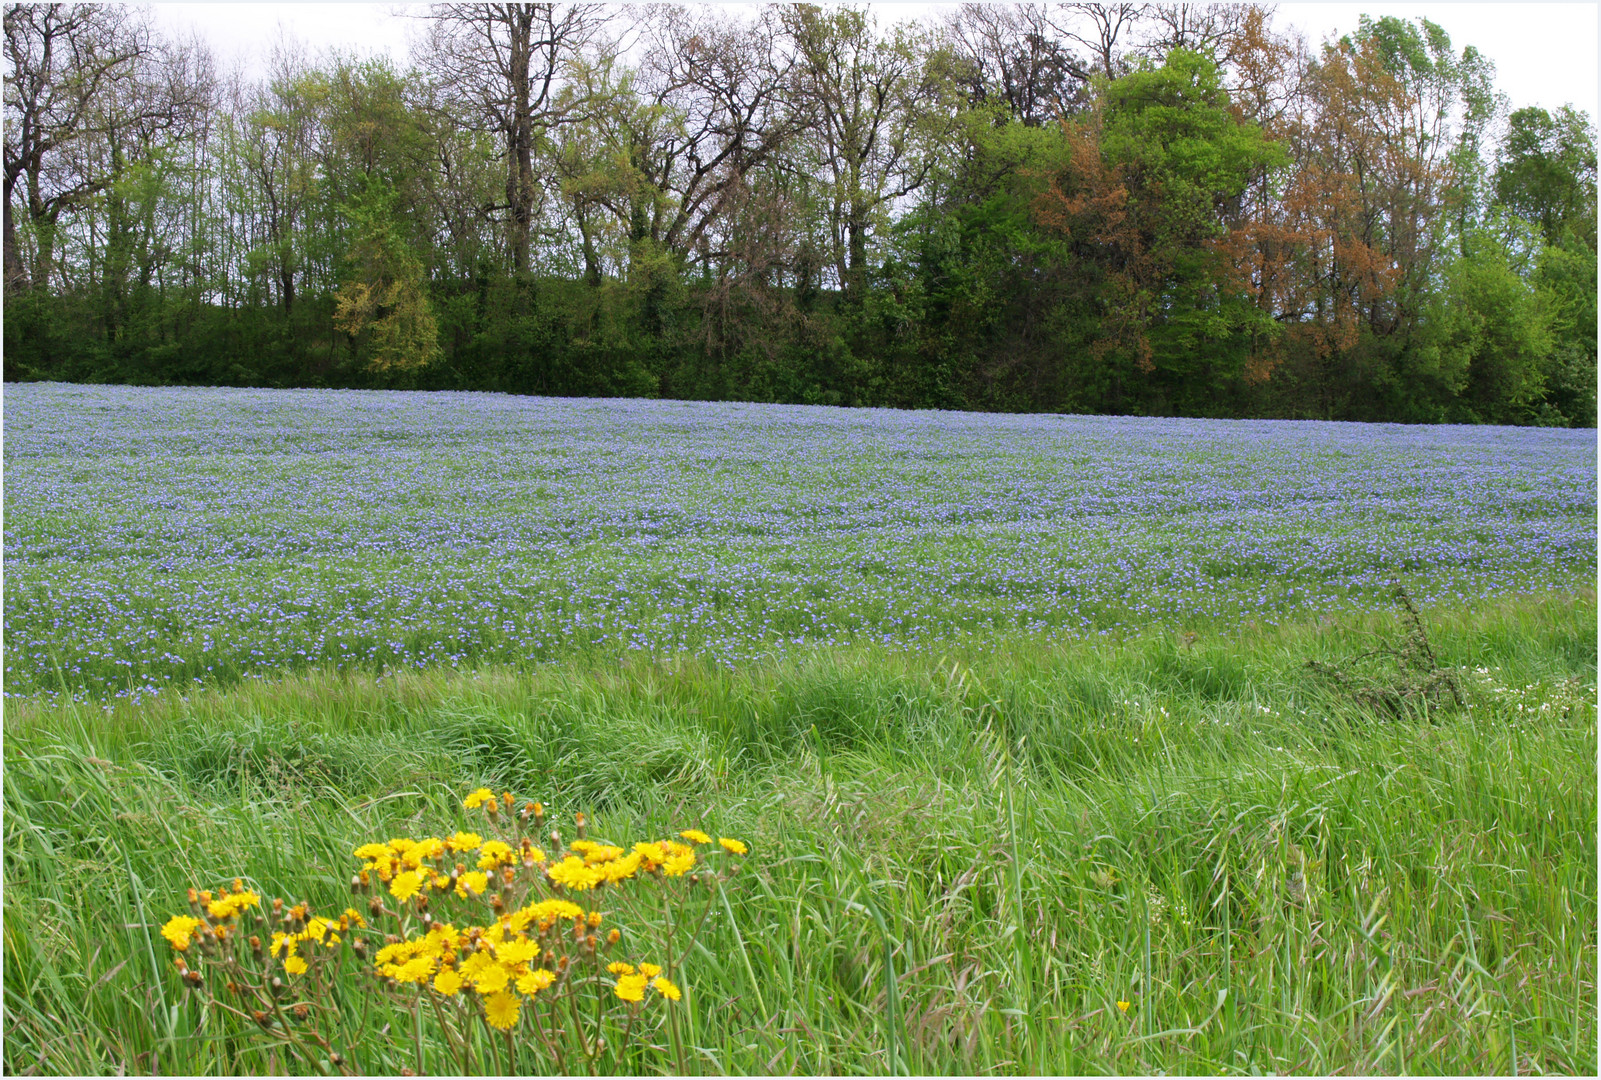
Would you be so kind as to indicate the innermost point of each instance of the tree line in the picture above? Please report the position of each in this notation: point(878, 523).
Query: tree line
point(1104, 208)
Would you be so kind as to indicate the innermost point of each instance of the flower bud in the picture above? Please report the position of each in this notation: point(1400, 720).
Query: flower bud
point(614, 937)
point(583, 824)
point(355, 884)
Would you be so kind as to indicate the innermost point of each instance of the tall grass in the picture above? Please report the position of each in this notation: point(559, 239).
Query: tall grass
point(962, 861)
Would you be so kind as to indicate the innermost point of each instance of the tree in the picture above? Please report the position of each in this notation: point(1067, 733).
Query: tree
point(1546, 172)
point(1150, 195)
point(384, 301)
point(1100, 29)
point(1011, 54)
point(861, 91)
point(66, 65)
point(509, 61)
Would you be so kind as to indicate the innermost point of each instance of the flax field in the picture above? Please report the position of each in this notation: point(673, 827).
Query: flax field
point(1059, 744)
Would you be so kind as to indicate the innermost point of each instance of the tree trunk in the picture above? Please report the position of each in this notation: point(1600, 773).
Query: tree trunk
point(16, 274)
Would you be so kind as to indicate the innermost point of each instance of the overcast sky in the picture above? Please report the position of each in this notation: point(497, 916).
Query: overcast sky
point(1545, 54)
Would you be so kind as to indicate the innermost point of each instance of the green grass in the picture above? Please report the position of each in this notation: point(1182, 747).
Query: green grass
point(1026, 834)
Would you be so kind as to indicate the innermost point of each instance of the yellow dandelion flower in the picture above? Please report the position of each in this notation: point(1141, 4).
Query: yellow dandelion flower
point(401, 845)
point(601, 853)
point(680, 858)
point(415, 970)
point(502, 1009)
point(521, 951)
point(447, 982)
point(621, 869)
point(651, 853)
point(372, 851)
point(594, 919)
point(650, 971)
point(733, 847)
point(355, 917)
point(535, 981)
point(617, 967)
point(464, 841)
point(229, 905)
point(493, 854)
point(572, 873)
point(664, 986)
point(405, 886)
point(295, 966)
point(473, 881)
point(492, 979)
point(179, 929)
point(1123, 1006)
point(583, 847)
point(631, 987)
point(478, 798)
point(695, 836)
point(419, 853)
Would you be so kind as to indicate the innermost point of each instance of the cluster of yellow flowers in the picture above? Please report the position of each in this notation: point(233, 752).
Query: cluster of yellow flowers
point(516, 937)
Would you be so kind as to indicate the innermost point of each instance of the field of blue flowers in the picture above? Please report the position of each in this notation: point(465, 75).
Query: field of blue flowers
point(169, 538)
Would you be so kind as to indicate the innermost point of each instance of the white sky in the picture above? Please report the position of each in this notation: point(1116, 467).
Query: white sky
point(1545, 53)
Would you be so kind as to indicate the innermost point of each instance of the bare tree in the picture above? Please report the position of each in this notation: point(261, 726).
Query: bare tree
point(1099, 28)
point(1216, 31)
point(63, 63)
point(863, 91)
point(726, 83)
point(1012, 53)
point(509, 60)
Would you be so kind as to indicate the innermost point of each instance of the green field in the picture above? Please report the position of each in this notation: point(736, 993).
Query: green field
point(978, 820)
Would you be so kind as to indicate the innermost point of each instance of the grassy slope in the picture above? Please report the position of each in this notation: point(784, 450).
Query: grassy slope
point(1274, 880)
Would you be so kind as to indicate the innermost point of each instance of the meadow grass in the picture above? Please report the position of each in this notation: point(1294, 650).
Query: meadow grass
point(963, 857)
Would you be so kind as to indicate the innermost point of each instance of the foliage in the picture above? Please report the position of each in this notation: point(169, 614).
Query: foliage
point(383, 303)
point(1098, 208)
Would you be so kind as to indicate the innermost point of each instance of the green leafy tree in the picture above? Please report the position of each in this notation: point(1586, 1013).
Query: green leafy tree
point(1547, 173)
point(383, 305)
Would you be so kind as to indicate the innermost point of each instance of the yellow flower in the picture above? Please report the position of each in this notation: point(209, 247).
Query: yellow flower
point(535, 981)
point(501, 1010)
point(478, 798)
point(355, 917)
point(464, 841)
point(664, 986)
point(405, 886)
point(732, 846)
point(474, 881)
point(492, 979)
point(230, 904)
point(1123, 1005)
point(178, 931)
point(414, 856)
point(617, 967)
point(583, 847)
point(372, 851)
point(650, 971)
point(621, 869)
point(572, 873)
point(517, 952)
point(631, 987)
point(495, 853)
point(447, 982)
point(601, 853)
point(415, 970)
point(295, 966)
point(680, 857)
point(695, 836)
